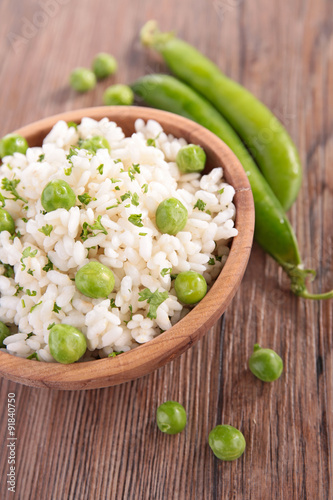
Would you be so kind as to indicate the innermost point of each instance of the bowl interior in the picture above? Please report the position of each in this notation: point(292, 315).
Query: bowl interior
point(168, 345)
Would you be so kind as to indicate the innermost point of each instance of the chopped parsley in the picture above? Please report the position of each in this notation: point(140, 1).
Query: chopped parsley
point(88, 229)
point(18, 289)
point(50, 326)
point(27, 253)
point(117, 161)
point(41, 157)
point(144, 188)
point(112, 303)
point(151, 142)
point(56, 308)
point(24, 219)
point(135, 199)
point(72, 152)
point(112, 206)
point(68, 170)
point(134, 169)
point(114, 354)
point(46, 229)
point(85, 198)
point(9, 270)
point(200, 205)
point(10, 186)
point(166, 270)
point(48, 266)
point(154, 300)
point(23, 303)
point(114, 181)
point(2, 200)
point(17, 234)
point(36, 305)
point(131, 313)
point(126, 195)
point(143, 234)
point(33, 356)
point(31, 271)
point(211, 261)
point(32, 293)
point(221, 191)
point(100, 168)
point(136, 219)
point(72, 124)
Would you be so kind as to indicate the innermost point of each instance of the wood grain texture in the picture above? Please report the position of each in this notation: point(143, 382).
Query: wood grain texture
point(104, 443)
point(171, 344)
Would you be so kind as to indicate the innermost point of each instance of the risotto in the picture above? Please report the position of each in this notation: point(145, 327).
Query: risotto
point(112, 222)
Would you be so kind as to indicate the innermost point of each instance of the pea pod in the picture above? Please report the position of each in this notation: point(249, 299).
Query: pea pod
point(264, 135)
point(273, 230)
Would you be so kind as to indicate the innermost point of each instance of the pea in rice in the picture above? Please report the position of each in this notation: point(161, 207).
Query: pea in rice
point(113, 223)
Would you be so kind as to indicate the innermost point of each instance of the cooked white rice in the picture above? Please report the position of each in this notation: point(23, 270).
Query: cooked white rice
point(136, 255)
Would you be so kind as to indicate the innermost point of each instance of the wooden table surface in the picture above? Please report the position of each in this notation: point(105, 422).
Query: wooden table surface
point(104, 444)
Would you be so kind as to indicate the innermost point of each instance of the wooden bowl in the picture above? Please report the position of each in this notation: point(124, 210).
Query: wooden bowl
point(171, 344)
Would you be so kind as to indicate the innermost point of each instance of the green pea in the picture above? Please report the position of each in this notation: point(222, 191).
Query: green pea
point(171, 417)
point(226, 442)
point(118, 95)
point(12, 143)
point(4, 332)
point(67, 343)
point(94, 280)
point(191, 158)
point(171, 216)
point(265, 364)
point(6, 221)
point(190, 287)
point(58, 194)
point(82, 79)
point(104, 65)
point(95, 143)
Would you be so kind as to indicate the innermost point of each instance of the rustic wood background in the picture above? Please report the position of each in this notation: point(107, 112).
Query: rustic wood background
point(104, 444)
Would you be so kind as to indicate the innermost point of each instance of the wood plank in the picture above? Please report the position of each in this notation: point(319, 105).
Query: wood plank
point(104, 443)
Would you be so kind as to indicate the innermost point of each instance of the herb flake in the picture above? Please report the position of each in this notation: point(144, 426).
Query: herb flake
point(154, 299)
point(136, 219)
point(46, 229)
point(200, 205)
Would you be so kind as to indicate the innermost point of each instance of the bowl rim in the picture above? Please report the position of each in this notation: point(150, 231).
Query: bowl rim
point(170, 344)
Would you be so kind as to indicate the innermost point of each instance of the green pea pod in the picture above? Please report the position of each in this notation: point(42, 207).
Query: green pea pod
point(264, 135)
point(272, 228)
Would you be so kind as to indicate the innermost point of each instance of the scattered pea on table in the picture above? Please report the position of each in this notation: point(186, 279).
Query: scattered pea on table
point(226, 442)
point(82, 79)
point(171, 417)
point(104, 65)
point(57, 194)
point(118, 95)
point(265, 364)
